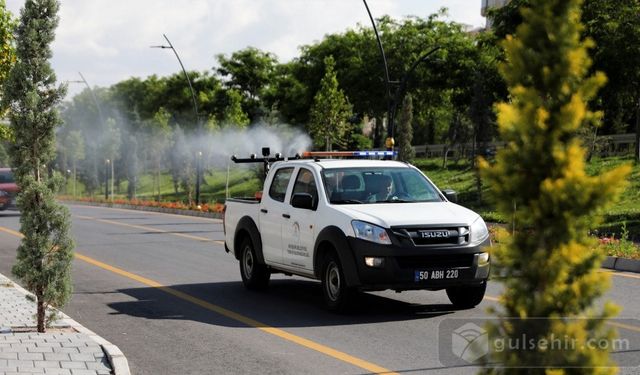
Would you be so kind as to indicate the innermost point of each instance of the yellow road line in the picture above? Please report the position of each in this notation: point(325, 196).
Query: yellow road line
point(150, 212)
point(241, 318)
point(625, 326)
point(344, 357)
point(490, 298)
point(144, 227)
point(12, 232)
point(620, 274)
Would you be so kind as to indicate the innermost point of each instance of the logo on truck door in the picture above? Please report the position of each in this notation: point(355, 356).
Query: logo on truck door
point(296, 248)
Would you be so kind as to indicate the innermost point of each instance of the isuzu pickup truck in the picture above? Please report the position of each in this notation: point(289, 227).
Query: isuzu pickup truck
point(358, 225)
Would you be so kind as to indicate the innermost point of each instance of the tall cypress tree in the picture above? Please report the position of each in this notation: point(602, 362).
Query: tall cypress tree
point(330, 110)
point(550, 270)
point(46, 251)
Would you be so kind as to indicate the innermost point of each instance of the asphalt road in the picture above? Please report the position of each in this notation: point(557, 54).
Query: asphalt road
point(162, 288)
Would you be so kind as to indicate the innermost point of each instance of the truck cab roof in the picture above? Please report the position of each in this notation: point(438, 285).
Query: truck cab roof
point(345, 163)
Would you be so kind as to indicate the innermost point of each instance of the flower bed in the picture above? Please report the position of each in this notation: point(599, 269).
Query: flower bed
point(205, 207)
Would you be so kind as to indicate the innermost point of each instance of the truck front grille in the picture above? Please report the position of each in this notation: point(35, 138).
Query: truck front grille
point(434, 236)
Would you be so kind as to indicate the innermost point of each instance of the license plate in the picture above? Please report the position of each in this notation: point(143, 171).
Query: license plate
point(446, 274)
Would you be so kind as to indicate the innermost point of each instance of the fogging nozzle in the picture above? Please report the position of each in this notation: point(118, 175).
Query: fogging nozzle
point(233, 158)
point(253, 156)
point(278, 155)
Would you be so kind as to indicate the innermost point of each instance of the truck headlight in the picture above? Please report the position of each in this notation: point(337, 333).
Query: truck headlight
point(483, 258)
point(479, 231)
point(370, 232)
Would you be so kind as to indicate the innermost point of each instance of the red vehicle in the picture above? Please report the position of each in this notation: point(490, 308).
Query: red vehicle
point(8, 189)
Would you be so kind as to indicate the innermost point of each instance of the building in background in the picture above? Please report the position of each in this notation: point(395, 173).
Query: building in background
point(488, 4)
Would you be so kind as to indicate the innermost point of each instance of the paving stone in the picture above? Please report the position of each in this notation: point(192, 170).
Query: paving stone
point(100, 367)
point(72, 365)
point(40, 350)
point(30, 370)
point(57, 371)
point(83, 357)
point(46, 364)
point(83, 372)
point(30, 356)
point(49, 345)
point(18, 363)
point(56, 356)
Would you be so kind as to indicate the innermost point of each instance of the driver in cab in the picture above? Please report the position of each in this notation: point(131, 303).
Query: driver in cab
point(382, 185)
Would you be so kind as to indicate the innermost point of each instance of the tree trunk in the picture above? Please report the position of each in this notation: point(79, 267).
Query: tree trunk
point(41, 313)
point(445, 153)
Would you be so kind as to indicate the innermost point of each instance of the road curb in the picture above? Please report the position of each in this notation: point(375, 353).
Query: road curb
point(175, 211)
point(118, 361)
point(622, 264)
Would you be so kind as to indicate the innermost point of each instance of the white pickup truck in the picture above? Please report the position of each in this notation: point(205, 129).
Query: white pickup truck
point(358, 225)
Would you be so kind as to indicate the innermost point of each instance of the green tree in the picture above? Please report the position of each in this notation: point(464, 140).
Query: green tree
point(109, 149)
point(46, 250)
point(330, 111)
point(74, 144)
point(7, 59)
point(7, 49)
point(404, 133)
point(614, 26)
point(130, 155)
point(249, 71)
point(539, 178)
point(159, 133)
point(233, 114)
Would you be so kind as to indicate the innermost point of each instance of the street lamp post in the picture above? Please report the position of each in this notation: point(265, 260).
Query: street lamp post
point(393, 102)
point(195, 112)
point(106, 179)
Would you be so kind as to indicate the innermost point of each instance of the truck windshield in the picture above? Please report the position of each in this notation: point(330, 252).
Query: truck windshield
point(378, 185)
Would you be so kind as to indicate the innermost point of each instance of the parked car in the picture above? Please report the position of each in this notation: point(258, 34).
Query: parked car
point(8, 189)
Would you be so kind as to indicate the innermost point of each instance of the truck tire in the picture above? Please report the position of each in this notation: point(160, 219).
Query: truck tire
point(255, 276)
point(466, 296)
point(337, 295)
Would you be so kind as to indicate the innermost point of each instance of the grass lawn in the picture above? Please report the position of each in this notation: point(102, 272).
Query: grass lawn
point(624, 213)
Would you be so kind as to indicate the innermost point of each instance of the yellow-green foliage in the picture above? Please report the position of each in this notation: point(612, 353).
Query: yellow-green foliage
point(540, 181)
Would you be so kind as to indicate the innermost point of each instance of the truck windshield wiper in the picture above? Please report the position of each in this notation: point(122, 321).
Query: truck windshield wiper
point(346, 201)
point(398, 200)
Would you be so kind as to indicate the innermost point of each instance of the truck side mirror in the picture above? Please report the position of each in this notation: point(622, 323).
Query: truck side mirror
point(451, 195)
point(303, 200)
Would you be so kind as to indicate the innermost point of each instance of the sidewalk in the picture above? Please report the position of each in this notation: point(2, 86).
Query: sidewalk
point(66, 348)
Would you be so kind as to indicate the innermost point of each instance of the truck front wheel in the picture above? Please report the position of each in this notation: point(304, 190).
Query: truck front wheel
point(466, 296)
point(255, 276)
point(337, 295)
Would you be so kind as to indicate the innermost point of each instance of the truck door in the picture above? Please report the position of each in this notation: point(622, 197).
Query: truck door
point(272, 209)
point(298, 231)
